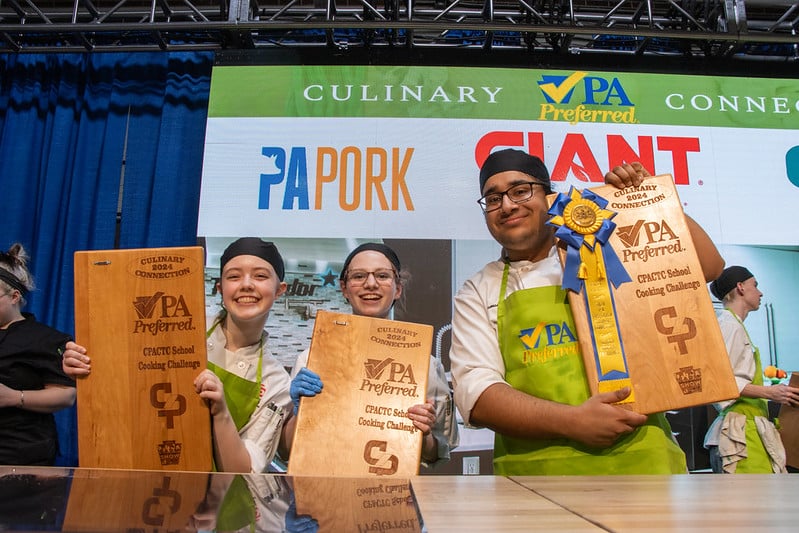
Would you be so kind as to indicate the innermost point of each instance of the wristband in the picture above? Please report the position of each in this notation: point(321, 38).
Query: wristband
point(22, 398)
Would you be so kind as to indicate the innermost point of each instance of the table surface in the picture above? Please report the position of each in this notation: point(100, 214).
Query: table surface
point(118, 500)
point(694, 502)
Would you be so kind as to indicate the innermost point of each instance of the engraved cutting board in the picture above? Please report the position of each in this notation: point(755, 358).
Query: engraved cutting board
point(675, 354)
point(789, 427)
point(373, 370)
point(140, 313)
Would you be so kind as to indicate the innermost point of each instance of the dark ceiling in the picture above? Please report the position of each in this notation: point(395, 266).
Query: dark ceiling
point(669, 33)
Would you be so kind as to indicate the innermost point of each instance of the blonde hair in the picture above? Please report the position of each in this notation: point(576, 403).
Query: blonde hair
point(15, 263)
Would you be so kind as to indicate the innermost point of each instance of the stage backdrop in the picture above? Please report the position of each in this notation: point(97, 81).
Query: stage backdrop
point(369, 151)
point(323, 157)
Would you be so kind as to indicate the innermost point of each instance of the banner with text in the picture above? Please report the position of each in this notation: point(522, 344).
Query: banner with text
point(394, 152)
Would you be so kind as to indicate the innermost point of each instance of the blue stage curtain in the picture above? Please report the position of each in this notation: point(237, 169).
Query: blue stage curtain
point(70, 126)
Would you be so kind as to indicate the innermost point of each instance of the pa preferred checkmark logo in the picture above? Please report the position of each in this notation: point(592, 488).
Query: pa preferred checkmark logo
point(629, 235)
point(556, 89)
point(374, 367)
point(145, 305)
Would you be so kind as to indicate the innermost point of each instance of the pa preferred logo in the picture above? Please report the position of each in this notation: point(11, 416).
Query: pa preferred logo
point(389, 376)
point(397, 371)
point(654, 232)
point(161, 313)
point(170, 306)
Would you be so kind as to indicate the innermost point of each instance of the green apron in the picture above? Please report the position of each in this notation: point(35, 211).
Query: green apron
point(538, 341)
point(757, 458)
point(241, 396)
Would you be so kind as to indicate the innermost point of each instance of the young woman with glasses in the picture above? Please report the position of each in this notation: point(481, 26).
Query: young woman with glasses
point(372, 281)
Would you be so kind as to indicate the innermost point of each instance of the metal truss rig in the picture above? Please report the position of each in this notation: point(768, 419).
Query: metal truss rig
point(765, 29)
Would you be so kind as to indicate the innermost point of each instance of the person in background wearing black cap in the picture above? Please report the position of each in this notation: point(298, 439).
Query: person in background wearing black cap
point(32, 385)
point(372, 280)
point(247, 389)
point(742, 439)
point(536, 401)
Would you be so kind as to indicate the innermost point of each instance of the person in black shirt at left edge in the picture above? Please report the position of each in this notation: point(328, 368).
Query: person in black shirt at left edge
point(32, 384)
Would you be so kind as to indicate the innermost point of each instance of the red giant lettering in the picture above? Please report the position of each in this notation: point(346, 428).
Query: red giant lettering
point(577, 157)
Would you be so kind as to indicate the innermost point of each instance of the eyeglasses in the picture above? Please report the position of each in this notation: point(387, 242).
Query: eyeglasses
point(521, 192)
point(384, 276)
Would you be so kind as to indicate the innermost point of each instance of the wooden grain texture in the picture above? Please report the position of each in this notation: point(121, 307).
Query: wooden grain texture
point(789, 427)
point(116, 500)
point(128, 501)
point(691, 502)
point(357, 504)
point(674, 350)
point(490, 503)
point(373, 370)
point(141, 315)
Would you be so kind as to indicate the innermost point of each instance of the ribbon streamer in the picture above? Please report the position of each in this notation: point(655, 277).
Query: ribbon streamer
point(585, 226)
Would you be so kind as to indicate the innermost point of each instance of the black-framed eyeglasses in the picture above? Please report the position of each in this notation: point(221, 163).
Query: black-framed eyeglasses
point(521, 192)
point(383, 276)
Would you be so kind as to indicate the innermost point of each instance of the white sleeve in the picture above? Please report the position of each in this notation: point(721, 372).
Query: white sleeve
point(445, 429)
point(301, 362)
point(475, 357)
point(741, 352)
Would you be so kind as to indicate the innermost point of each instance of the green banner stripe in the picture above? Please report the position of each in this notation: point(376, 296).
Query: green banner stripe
point(503, 93)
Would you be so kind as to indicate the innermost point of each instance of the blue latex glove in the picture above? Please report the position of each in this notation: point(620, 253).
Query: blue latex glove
point(299, 523)
point(305, 383)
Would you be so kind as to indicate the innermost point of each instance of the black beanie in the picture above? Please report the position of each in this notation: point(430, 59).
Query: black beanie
point(728, 280)
point(511, 159)
point(254, 246)
point(390, 254)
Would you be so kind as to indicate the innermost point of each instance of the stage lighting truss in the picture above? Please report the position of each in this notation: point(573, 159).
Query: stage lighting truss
point(689, 28)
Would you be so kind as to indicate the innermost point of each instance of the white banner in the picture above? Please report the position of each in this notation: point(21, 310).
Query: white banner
point(417, 178)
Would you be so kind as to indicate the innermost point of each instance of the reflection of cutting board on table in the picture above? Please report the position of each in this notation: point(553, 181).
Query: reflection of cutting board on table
point(657, 332)
point(141, 316)
point(358, 504)
point(116, 500)
point(372, 370)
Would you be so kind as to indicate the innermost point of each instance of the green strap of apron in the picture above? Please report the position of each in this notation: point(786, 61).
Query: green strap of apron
point(241, 395)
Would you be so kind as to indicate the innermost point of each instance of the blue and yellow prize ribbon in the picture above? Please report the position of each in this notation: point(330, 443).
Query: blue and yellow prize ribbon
point(584, 225)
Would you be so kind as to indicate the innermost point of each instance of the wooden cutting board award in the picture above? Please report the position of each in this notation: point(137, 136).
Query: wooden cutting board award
point(641, 307)
point(140, 314)
point(373, 370)
point(789, 427)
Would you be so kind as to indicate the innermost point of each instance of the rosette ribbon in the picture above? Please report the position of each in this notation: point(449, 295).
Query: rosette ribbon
point(584, 225)
point(591, 266)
